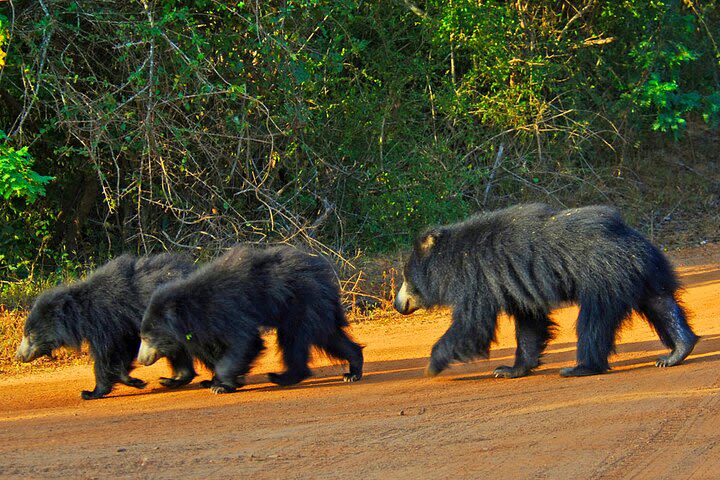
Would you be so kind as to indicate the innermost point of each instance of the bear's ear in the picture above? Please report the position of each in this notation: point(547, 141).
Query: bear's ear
point(168, 312)
point(64, 306)
point(428, 240)
point(172, 317)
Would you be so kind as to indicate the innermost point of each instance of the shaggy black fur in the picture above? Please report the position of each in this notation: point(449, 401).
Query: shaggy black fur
point(106, 309)
point(526, 260)
point(216, 314)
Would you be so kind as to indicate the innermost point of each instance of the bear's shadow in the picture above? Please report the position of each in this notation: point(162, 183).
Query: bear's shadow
point(707, 350)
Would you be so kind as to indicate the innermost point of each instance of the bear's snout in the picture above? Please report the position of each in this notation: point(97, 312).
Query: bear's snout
point(26, 352)
point(147, 355)
point(405, 301)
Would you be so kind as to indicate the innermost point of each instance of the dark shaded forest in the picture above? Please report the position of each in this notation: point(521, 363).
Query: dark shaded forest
point(345, 125)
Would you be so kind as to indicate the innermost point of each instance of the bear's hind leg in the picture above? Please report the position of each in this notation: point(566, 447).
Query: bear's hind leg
point(532, 333)
point(121, 357)
point(340, 346)
point(296, 352)
point(183, 370)
point(597, 325)
point(668, 319)
point(125, 366)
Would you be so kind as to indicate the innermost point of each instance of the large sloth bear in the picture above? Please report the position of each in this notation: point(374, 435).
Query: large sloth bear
point(216, 314)
point(106, 309)
point(526, 260)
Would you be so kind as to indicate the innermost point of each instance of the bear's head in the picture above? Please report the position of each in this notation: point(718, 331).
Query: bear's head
point(416, 290)
point(52, 323)
point(158, 332)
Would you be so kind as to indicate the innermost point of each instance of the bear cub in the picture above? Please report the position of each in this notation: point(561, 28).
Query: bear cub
point(106, 309)
point(217, 313)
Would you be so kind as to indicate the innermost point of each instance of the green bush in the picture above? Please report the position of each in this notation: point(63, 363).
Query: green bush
point(17, 179)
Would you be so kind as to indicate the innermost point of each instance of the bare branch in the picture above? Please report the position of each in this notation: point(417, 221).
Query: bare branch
point(498, 161)
point(416, 10)
point(47, 34)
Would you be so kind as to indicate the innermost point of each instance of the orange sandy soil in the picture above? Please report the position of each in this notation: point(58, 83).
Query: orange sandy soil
point(638, 421)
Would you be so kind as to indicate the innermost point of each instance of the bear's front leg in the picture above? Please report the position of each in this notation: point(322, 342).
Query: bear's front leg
point(439, 359)
point(217, 386)
point(235, 363)
point(104, 381)
point(209, 383)
point(468, 337)
point(132, 381)
point(99, 392)
point(183, 370)
point(224, 384)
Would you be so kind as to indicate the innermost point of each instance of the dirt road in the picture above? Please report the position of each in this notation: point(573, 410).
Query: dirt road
point(638, 421)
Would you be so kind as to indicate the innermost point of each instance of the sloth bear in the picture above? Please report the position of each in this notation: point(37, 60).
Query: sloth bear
point(216, 314)
point(106, 309)
point(526, 260)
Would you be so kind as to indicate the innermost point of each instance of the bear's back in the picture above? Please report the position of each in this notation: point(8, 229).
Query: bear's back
point(540, 224)
point(108, 285)
point(486, 230)
point(152, 271)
